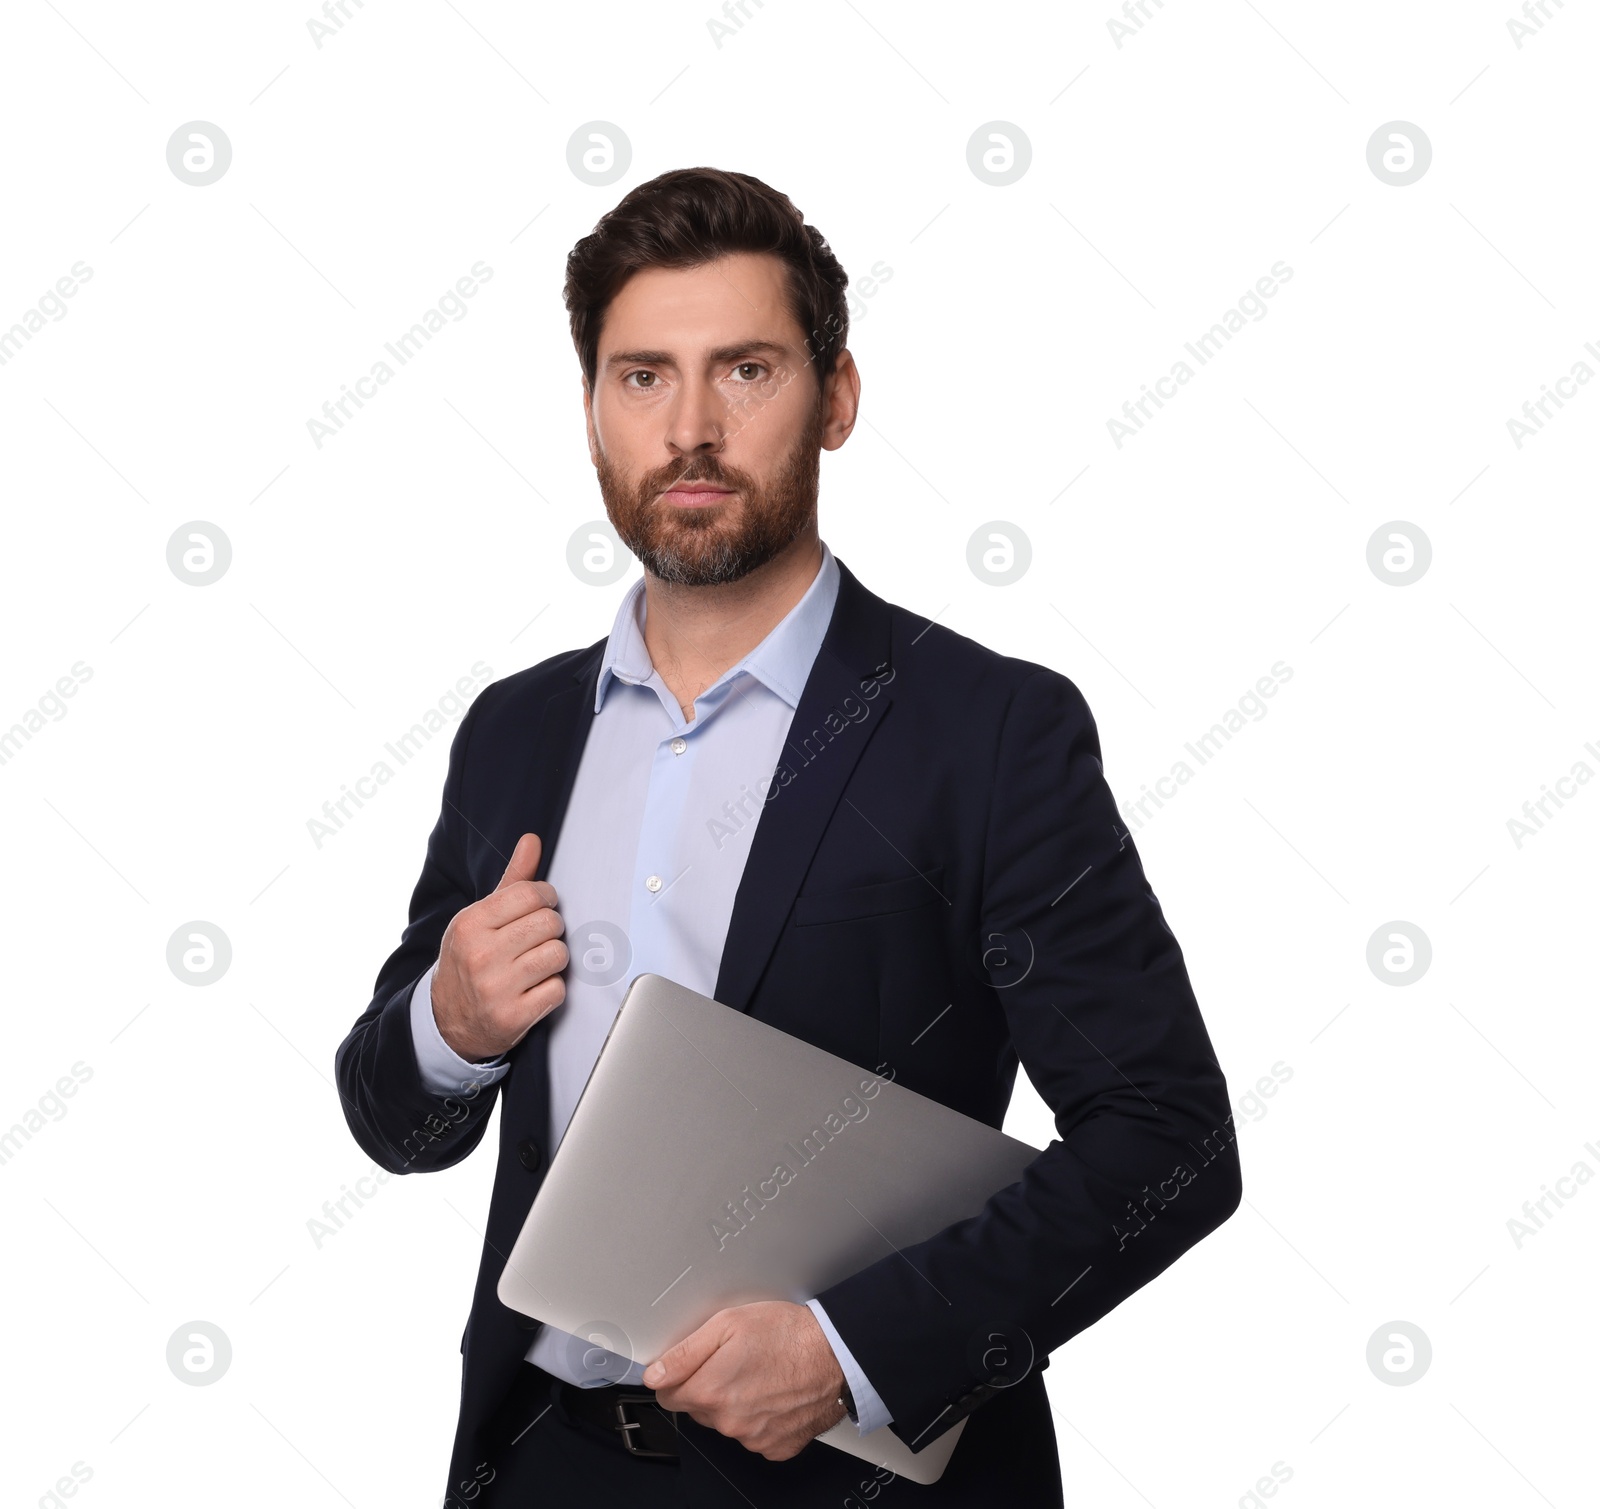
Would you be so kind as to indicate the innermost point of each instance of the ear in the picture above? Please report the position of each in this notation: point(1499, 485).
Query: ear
point(841, 399)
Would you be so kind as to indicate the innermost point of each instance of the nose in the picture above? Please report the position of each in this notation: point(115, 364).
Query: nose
point(697, 424)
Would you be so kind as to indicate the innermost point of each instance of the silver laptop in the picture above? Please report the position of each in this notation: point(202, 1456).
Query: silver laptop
point(714, 1161)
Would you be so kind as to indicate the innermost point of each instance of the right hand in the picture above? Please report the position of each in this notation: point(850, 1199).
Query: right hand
point(500, 962)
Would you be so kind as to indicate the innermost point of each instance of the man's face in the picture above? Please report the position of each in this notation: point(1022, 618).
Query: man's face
point(706, 423)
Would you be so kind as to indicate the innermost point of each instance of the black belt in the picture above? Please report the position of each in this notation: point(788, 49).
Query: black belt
point(631, 1416)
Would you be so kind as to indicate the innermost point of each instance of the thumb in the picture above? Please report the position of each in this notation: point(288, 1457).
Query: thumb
point(523, 862)
point(680, 1362)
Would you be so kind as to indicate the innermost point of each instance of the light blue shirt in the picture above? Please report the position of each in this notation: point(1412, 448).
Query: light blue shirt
point(646, 868)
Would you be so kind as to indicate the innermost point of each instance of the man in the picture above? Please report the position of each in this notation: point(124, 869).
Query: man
point(774, 787)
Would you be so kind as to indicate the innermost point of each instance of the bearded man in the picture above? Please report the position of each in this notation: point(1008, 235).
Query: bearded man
point(772, 786)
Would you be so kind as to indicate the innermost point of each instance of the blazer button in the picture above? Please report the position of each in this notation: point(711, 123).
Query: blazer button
point(530, 1155)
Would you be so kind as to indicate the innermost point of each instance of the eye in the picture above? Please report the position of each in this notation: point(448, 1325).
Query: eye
point(757, 366)
point(643, 387)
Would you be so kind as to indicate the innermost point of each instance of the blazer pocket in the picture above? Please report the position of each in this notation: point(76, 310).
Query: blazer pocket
point(870, 900)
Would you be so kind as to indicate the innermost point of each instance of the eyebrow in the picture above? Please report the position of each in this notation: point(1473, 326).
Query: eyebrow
point(718, 356)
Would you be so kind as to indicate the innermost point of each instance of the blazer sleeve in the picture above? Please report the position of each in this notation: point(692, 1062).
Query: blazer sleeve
point(397, 1120)
point(1102, 1017)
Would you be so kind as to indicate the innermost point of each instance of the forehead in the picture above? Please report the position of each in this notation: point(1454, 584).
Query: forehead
point(687, 309)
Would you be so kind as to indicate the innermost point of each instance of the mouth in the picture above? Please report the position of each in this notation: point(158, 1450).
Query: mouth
point(696, 495)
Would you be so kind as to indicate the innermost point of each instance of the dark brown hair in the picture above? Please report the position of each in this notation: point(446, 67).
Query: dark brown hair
point(691, 216)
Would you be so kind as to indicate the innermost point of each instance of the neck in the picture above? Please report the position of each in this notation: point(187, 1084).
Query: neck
point(694, 634)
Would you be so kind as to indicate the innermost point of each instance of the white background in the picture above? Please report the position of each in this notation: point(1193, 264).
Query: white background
point(1168, 574)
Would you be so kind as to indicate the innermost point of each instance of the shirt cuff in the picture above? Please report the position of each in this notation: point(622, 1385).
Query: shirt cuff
point(871, 1412)
point(443, 1070)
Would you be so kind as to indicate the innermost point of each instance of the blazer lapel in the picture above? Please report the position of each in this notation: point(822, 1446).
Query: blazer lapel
point(827, 736)
point(568, 717)
point(541, 807)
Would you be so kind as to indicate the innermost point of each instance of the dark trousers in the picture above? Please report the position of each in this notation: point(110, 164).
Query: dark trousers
point(542, 1458)
point(540, 1455)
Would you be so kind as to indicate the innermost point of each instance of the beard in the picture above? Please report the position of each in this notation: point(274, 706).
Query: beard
point(720, 542)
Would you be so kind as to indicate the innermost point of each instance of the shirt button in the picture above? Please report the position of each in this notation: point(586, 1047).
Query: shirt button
point(679, 745)
point(652, 883)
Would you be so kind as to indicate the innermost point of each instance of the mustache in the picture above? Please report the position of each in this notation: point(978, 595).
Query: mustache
point(704, 470)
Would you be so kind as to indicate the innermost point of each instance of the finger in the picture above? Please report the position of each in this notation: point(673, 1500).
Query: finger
point(519, 934)
point(514, 899)
point(523, 862)
point(536, 1004)
point(543, 962)
point(686, 1358)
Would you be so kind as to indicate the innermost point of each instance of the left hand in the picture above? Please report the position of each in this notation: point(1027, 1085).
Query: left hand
point(763, 1374)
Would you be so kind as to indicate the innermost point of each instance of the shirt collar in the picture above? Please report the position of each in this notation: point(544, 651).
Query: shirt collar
point(781, 662)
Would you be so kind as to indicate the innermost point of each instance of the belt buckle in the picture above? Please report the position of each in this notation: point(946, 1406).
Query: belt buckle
point(625, 1426)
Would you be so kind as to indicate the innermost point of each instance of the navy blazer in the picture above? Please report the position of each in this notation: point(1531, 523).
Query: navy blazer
point(938, 887)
